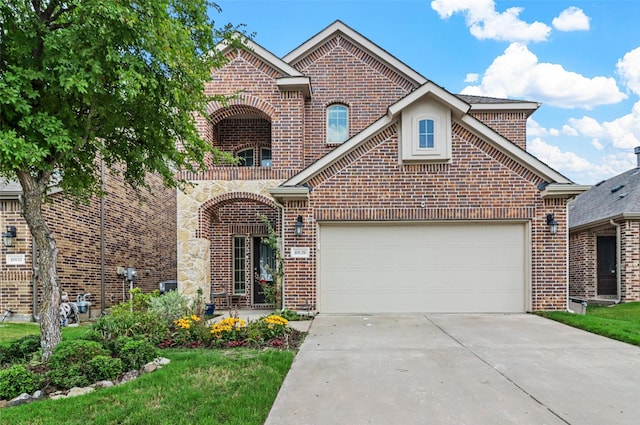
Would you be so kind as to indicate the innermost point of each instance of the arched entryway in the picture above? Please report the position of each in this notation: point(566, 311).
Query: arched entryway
point(233, 224)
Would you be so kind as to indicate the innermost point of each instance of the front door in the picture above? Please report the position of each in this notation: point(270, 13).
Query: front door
point(264, 264)
point(607, 265)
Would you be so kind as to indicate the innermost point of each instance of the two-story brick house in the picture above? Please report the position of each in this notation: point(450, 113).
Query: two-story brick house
point(407, 198)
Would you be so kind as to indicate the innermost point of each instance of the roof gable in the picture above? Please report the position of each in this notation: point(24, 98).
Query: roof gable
point(338, 27)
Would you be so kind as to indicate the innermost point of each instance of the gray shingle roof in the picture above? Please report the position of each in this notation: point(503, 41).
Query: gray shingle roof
point(487, 100)
point(11, 186)
point(608, 199)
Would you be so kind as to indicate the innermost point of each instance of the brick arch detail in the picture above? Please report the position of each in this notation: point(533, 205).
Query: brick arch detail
point(240, 105)
point(209, 209)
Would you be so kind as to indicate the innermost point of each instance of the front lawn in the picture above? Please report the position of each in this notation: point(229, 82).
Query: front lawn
point(199, 386)
point(621, 322)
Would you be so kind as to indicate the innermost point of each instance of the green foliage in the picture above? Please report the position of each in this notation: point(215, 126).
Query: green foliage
point(138, 302)
point(121, 82)
point(104, 368)
point(20, 350)
point(292, 315)
point(73, 375)
point(199, 387)
point(75, 351)
point(137, 323)
point(170, 306)
point(273, 291)
point(17, 380)
point(136, 353)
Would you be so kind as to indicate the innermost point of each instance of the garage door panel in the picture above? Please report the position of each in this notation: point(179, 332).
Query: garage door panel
point(422, 268)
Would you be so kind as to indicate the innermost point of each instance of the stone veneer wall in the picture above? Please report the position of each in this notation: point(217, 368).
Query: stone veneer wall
point(194, 251)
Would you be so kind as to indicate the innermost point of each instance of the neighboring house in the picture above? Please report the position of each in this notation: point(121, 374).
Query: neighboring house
point(604, 240)
point(409, 198)
point(91, 249)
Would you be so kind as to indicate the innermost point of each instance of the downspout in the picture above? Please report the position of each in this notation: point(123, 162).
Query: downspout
point(567, 254)
point(618, 254)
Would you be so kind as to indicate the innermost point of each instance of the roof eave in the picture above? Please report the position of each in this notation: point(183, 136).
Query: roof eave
point(290, 193)
point(555, 190)
point(605, 222)
point(264, 54)
point(302, 84)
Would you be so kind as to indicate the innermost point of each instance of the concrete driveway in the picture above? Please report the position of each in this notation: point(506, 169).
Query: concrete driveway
point(458, 369)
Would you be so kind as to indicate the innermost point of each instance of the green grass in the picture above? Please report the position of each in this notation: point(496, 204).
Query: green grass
point(199, 386)
point(621, 322)
point(12, 330)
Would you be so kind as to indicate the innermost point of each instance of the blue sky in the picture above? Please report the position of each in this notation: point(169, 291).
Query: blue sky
point(579, 59)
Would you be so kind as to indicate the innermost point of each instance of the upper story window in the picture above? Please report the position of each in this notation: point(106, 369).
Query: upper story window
point(337, 123)
point(246, 158)
point(426, 132)
point(265, 157)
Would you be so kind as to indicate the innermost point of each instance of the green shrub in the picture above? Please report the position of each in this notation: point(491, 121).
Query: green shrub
point(170, 306)
point(104, 368)
point(17, 380)
point(137, 353)
point(143, 324)
point(139, 302)
point(75, 351)
point(20, 350)
point(74, 375)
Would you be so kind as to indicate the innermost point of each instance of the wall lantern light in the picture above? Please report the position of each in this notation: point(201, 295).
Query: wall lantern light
point(552, 223)
point(9, 236)
point(298, 226)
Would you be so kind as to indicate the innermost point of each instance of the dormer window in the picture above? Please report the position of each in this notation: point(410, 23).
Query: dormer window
point(426, 132)
point(337, 123)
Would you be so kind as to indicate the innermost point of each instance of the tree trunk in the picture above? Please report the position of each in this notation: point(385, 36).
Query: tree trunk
point(33, 195)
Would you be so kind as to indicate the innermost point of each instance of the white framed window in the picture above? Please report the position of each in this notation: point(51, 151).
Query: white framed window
point(426, 132)
point(265, 157)
point(239, 265)
point(246, 157)
point(337, 123)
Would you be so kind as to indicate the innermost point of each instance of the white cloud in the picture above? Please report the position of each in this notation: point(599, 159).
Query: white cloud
point(578, 168)
point(517, 73)
point(553, 156)
point(623, 132)
point(596, 144)
point(472, 78)
point(535, 129)
point(569, 131)
point(629, 70)
point(571, 19)
point(485, 22)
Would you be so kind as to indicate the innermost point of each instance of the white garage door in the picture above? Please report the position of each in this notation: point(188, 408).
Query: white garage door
point(436, 267)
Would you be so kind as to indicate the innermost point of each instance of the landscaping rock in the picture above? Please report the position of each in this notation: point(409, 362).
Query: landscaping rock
point(162, 361)
point(21, 399)
point(76, 391)
point(3, 403)
point(129, 376)
point(57, 395)
point(150, 367)
point(37, 395)
point(103, 384)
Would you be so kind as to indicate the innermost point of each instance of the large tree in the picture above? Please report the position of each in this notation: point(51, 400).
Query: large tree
point(84, 81)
